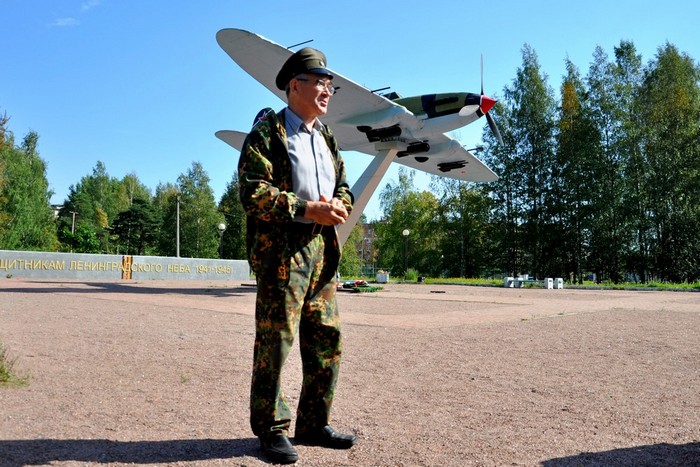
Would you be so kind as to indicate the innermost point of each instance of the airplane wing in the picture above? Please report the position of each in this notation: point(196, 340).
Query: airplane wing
point(448, 158)
point(233, 138)
point(352, 108)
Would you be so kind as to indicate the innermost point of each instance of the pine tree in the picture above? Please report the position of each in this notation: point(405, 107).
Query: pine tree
point(136, 229)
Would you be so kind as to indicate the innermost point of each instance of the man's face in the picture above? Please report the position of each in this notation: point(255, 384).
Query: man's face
point(311, 95)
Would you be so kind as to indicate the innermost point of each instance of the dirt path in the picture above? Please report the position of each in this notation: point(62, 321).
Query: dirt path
point(157, 373)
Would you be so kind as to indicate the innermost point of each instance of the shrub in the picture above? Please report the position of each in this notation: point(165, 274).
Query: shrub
point(411, 275)
point(7, 373)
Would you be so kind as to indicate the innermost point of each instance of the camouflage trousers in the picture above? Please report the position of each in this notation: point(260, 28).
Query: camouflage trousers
point(305, 306)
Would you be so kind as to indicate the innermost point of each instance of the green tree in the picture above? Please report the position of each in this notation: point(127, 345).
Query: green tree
point(26, 217)
point(351, 262)
point(504, 220)
point(669, 103)
point(612, 86)
point(134, 189)
point(7, 140)
point(83, 240)
point(568, 212)
point(198, 216)
point(464, 221)
point(234, 235)
point(136, 229)
point(166, 205)
point(416, 212)
point(524, 166)
point(96, 200)
point(6, 144)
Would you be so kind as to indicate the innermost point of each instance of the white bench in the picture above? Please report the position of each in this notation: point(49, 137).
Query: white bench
point(548, 283)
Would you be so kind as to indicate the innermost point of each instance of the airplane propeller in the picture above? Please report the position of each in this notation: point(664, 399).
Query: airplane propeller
point(494, 128)
point(486, 104)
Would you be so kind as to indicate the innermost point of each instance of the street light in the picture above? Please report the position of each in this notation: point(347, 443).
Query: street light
point(72, 231)
point(177, 227)
point(72, 225)
point(221, 228)
point(405, 233)
point(365, 256)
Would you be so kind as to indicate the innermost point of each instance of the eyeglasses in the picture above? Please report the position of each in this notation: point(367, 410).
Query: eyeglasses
point(322, 83)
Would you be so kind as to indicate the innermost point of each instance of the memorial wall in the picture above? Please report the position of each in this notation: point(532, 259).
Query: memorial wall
point(35, 264)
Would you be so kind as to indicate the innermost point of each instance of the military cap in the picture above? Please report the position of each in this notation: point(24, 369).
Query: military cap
point(307, 60)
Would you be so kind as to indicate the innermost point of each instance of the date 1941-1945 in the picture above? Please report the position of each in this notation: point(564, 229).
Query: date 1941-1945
point(208, 269)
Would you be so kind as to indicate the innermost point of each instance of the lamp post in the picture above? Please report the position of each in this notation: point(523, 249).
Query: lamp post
point(365, 256)
point(177, 228)
point(221, 228)
point(72, 230)
point(72, 225)
point(405, 233)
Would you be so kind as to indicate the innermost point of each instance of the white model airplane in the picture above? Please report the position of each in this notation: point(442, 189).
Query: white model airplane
point(410, 131)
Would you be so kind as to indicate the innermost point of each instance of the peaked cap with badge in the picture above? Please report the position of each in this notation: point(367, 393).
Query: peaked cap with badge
point(306, 60)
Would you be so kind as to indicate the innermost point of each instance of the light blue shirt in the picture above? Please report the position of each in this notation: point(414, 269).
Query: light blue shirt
point(313, 171)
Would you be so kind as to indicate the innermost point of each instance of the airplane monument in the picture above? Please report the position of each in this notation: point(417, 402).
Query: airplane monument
point(410, 131)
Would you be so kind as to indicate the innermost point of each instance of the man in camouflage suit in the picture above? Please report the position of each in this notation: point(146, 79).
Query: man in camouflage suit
point(294, 192)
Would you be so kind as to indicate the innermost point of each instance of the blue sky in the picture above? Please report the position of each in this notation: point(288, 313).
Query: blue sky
point(142, 85)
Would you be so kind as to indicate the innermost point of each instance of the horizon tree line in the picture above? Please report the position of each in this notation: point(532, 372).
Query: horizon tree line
point(600, 178)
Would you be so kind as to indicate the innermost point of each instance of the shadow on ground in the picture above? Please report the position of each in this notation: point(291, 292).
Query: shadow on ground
point(654, 455)
point(51, 287)
point(16, 453)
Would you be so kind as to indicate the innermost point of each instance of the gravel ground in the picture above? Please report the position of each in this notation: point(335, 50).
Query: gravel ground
point(157, 373)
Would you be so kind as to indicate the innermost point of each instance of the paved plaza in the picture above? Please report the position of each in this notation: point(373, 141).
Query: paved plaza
point(158, 373)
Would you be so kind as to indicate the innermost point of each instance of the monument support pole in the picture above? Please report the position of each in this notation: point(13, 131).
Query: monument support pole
point(365, 186)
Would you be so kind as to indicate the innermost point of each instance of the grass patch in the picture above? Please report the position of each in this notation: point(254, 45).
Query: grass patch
point(685, 286)
point(462, 281)
point(652, 285)
point(8, 376)
point(360, 285)
point(367, 288)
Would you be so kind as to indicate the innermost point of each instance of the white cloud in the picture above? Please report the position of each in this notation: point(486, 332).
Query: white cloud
point(66, 22)
point(70, 21)
point(89, 4)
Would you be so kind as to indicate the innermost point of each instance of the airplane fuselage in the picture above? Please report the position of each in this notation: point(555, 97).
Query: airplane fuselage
point(438, 105)
point(442, 113)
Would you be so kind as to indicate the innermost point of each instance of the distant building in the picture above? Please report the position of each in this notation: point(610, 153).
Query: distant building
point(56, 209)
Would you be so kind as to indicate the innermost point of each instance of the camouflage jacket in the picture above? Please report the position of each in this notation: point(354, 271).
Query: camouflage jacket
point(265, 189)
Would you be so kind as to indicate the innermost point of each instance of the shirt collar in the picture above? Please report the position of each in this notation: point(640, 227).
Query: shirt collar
point(295, 123)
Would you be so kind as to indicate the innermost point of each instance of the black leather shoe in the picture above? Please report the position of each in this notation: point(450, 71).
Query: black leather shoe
point(278, 449)
point(326, 437)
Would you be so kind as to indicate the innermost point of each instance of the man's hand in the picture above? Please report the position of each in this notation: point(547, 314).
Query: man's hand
point(326, 212)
